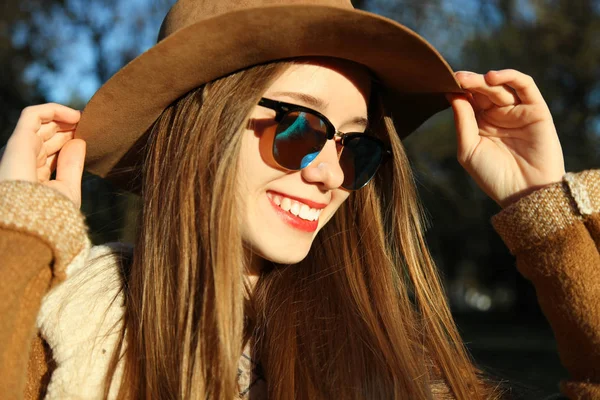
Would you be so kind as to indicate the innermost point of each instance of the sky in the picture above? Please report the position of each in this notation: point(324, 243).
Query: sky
point(72, 48)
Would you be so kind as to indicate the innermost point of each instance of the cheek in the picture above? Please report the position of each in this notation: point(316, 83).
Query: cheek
point(253, 171)
point(249, 157)
point(338, 198)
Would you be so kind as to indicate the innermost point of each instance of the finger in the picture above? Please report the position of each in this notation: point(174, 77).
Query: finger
point(524, 85)
point(49, 129)
point(467, 130)
point(20, 158)
point(69, 166)
point(43, 174)
point(499, 95)
point(57, 141)
point(42, 156)
point(51, 162)
point(481, 102)
point(33, 117)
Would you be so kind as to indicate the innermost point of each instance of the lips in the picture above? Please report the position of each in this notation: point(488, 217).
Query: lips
point(297, 214)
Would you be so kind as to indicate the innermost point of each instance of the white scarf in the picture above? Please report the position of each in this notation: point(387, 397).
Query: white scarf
point(82, 327)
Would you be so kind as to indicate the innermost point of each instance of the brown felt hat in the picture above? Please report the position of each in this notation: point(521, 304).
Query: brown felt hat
point(202, 40)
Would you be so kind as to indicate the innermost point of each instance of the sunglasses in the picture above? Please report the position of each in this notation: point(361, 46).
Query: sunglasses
point(302, 132)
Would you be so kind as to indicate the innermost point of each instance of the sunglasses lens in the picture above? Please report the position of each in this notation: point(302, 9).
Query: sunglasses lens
point(298, 140)
point(360, 159)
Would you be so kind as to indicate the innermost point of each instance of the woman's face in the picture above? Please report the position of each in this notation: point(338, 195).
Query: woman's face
point(272, 196)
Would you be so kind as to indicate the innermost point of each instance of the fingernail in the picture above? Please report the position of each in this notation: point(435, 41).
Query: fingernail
point(466, 72)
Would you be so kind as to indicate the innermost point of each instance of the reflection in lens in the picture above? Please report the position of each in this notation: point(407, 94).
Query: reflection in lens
point(360, 159)
point(307, 159)
point(298, 140)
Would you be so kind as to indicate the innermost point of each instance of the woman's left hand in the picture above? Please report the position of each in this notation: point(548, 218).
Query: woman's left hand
point(506, 137)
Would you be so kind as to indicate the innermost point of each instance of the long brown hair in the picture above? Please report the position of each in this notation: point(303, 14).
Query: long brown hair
point(362, 316)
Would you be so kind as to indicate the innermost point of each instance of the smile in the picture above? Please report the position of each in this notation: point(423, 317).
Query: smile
point(295, 207)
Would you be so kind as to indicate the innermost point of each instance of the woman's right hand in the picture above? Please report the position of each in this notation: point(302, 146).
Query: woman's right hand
point(42, 142)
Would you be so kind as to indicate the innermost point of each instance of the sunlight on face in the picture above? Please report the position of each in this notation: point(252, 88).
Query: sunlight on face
point(271, 195)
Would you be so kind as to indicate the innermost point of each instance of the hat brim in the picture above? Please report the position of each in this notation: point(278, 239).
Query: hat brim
point(415, 76)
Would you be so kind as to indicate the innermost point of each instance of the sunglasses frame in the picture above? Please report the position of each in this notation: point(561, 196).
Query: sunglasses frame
point(283, 108)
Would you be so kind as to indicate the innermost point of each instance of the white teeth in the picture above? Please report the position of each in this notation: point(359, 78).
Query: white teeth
point(318, 214)
point(305, 212)
point(286, 204)
point(295, 208)
point(298, 209)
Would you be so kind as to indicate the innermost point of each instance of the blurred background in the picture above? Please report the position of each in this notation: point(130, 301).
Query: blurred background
point(63, 50)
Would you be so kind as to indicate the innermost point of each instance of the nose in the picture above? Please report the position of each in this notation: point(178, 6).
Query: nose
point(325, 169)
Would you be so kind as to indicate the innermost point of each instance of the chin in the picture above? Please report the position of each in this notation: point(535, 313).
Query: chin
point(283, 255)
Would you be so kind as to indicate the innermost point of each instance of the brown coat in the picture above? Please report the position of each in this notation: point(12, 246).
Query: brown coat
point(554, 234)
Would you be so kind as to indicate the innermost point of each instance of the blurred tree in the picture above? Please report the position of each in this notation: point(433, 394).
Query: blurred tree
point(558, 43)
point(63, 50)
point(15, 94)
point(90, 40)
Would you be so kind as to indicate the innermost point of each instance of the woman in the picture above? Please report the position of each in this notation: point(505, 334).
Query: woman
point(280, 252)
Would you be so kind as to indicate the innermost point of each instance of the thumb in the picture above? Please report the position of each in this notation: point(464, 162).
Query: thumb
point(467, 130)
point(69, 168)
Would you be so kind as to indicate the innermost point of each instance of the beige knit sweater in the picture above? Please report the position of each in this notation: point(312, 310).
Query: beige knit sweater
point(554, 234)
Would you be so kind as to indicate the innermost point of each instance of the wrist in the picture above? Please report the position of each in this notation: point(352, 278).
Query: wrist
point(513, 198)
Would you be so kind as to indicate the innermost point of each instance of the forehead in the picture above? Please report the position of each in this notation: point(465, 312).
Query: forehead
point(333, 80)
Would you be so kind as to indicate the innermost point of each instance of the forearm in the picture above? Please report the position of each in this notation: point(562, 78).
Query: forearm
point(550, 233)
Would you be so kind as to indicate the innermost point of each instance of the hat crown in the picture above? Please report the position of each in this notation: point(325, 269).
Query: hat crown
point(187, 12)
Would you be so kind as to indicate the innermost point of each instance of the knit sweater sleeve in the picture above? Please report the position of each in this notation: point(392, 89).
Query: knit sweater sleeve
point(41, 233)
point(554, 234)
